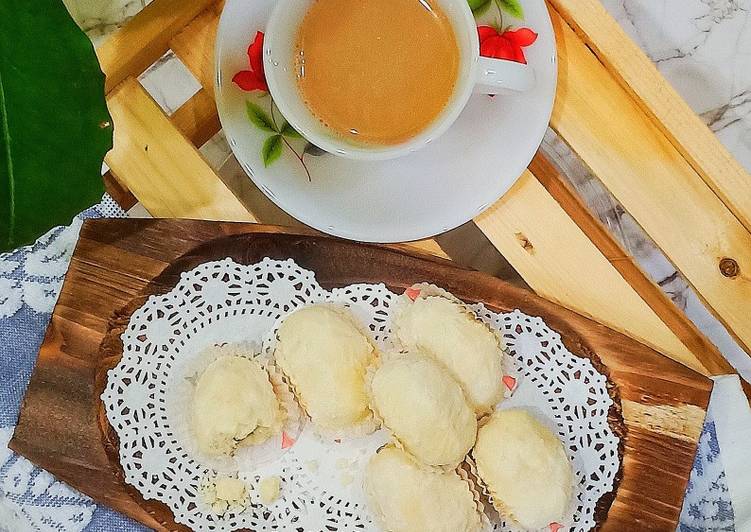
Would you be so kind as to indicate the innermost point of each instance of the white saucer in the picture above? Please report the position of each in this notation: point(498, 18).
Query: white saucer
point(417, 196)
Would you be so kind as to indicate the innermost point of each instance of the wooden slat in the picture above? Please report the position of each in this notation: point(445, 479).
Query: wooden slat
point(556, 185)
point(429, 246)
point(639, 76)
point(560, 263)
point(160, 166)
point(194, 45)
point(121, 195)
point(652, 180)
point(197, 118)
point(747, 390)
point(137, 45)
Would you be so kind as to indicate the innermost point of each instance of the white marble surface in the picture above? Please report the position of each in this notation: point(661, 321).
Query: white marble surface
point(99, 18)
point(169, 82)
point(703, 47)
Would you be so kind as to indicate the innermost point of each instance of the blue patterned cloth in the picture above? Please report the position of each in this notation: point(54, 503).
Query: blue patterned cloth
point(31, 499)
point(30, 280)
point(707, 504)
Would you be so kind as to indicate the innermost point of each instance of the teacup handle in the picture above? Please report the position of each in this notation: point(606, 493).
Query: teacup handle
point(496, 76)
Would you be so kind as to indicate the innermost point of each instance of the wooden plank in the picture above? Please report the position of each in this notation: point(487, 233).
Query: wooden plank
point(160, 166)
point(704, 350)
point(197, 118)
point(669, 112)
point(145, 38)
point(429, 246)
point(118, 262)
point(747, 390)
point(194, 45)
point(652, 180)
point(118, 192)
point(560, 263)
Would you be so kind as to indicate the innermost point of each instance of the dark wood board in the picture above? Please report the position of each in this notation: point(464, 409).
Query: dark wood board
point(118, 263)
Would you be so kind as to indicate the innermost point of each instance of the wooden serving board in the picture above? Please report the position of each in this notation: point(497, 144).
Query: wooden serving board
point(118, 263)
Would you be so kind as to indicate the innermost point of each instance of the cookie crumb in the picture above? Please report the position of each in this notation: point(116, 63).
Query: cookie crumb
point(225, 493)
point(268, 489)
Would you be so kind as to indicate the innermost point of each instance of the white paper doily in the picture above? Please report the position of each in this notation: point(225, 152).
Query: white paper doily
point(321, 481)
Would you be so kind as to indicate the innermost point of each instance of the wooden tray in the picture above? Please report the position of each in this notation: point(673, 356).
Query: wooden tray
point(118, 263)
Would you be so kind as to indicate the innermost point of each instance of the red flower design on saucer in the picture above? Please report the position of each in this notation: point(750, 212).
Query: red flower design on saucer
point(506, 45)
point(255, 78)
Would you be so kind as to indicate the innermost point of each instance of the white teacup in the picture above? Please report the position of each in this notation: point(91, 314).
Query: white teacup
point(476, 74)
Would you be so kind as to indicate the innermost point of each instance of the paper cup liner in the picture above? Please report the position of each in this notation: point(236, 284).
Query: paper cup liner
point(245, 457)
point(476, 494)
point(469, 466)
point(249, 457)
point(367, 425)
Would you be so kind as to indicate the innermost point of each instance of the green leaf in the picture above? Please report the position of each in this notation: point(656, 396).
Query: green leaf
point(272, 149)
point(54, 124)
point(512, 7)
point(290, 132)
point(479, 7)
point(259, 118)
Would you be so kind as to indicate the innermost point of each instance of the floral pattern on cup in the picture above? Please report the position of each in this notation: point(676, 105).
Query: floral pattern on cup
point(497, 39)
point(255, 78)
point(506, 45)
point(279, 133)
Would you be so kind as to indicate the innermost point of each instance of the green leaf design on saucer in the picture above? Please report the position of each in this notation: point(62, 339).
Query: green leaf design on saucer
point(283, 136)
point(479, 7)
point(259, 118)
point(272, 149)
point(512, 7)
